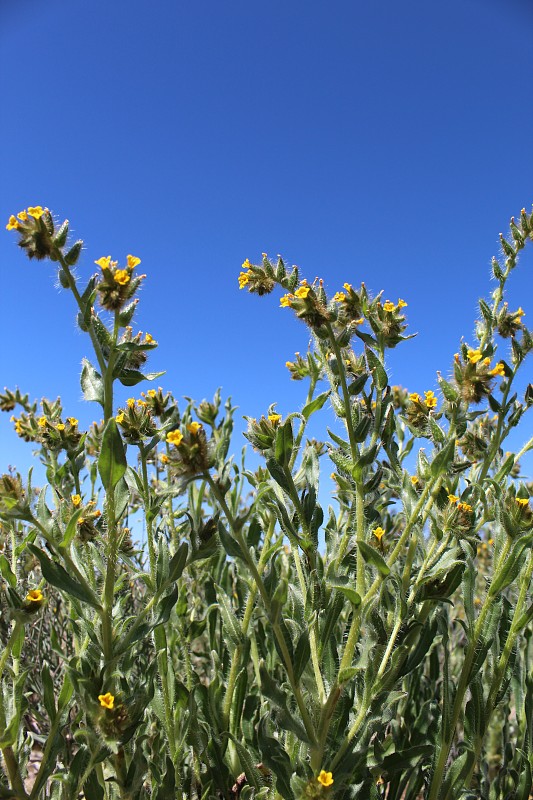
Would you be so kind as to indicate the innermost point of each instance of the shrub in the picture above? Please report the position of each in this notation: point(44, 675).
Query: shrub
point(260, 646)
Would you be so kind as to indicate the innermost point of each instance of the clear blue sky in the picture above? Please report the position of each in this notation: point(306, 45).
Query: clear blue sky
point(387, 142)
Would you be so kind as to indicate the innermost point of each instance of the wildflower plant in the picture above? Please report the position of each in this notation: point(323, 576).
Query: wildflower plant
point(261, 645)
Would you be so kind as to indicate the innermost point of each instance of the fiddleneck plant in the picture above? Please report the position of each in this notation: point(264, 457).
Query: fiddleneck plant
point(260, 646)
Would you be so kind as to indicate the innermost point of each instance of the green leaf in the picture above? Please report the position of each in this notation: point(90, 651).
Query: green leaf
point(112, 462)
point(177, 562)
point(275, 758)
point(372, 556)
point(443, 459)
point(284, 443)
point(348, 592)
point(131, 377)
point(48, 692)
point(57, 576)
point(229, 620)
point(278, 474)
point(302, 655)
point(6, 571)
point(315, 405)
point(374, 364)
point(92, 384)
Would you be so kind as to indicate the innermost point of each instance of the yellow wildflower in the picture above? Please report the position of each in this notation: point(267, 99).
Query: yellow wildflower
point(522, 501)
point(107, 700)
point(274, 418)
point(194, 427)
point(325, 778)
point(103, 262)
point(132, 261)
point(121, 276)
point(465, 507)
point(76, 500)
point(148, 338)
point(520, 312)
point(164, 459)
point(285, 301)
point(130, 402)
point(13, 223)
point(474, 355)
point(244, 278)
point(401, 303)
point(175, 437)
point(141, 403)
point(358, 321)
point(388, 306)
point(72, 420)
point(246, 264)
point(41, 422)
point(60, 426)
point(120, 417)
point(22, 215)
point(35, 211)
point(339, 297)
point(431, 400)
point(498, 370)
point(415, 397)
point(347, 286)
point(379, 533)
point(35, 596)
point(453, 498)
point(302, 292)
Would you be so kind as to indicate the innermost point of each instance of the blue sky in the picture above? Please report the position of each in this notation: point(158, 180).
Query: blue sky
point(386, 142)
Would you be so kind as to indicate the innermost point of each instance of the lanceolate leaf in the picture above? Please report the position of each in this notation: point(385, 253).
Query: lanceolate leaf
point(112, 462)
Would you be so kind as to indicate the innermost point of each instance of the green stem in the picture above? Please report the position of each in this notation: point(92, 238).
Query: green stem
point(266, 600)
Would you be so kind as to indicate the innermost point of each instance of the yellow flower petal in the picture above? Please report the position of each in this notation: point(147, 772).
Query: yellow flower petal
point(132, 261)
point(107, 700)
point(35, 211)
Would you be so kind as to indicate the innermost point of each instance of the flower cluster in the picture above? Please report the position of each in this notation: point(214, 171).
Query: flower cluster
point(418, 411)
point(474, 375)
point(136, 420)
point(257, 279)
point(118, 285)
point(191, 453)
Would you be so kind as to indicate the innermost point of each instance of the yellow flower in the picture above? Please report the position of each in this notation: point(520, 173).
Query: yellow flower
point(401, 303)
point(76, 500)
point(22, 215)
point(35, 596)
point(103, 262)
point(453, 498)
point(325, 778)
point(520, 312)
point(414, 397)
point(388, 306)
point(431, 400)
point(285, 301)
point(474, 355)
point(122, 277)
point(246, 264)
point(499, 370)
point(41, 422)
point(379, 533)
point(244, 278)
point(151, 392)
point(339, 297)
point(130, 402)
point(414, 479)
point(120, 417)
point(359, 321)
point(141, 403)
point(175, 437)
point(274, 418)
point(72, 420)
point(35, 211)
point(194, 427)
point(164, 459)
point(302, 292)
point(148, 338)
point(107, 700)
point(132, 261)
point(60, 426)
point(13, 223)
point(522, 501)
point(347, 286)
point(465, 507)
